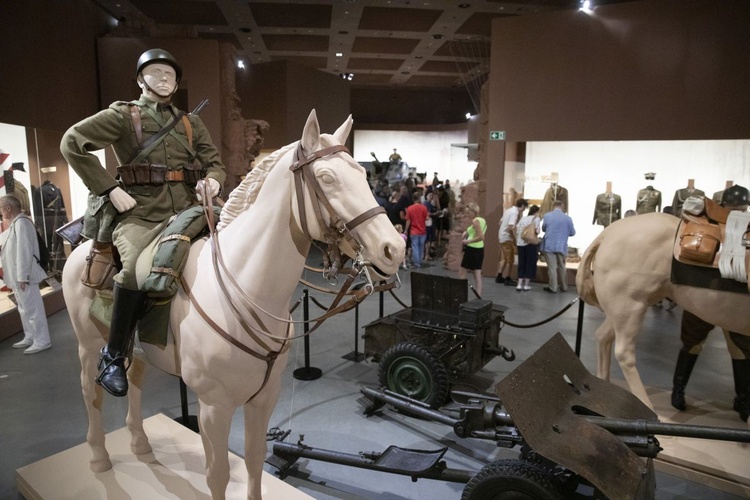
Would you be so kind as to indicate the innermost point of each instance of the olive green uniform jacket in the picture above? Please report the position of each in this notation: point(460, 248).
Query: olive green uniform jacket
point(155, 204)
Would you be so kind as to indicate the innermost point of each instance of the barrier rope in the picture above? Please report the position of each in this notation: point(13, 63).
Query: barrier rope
point(532, 325)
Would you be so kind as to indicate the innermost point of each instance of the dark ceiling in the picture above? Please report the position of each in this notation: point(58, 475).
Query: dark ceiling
point(395, 43)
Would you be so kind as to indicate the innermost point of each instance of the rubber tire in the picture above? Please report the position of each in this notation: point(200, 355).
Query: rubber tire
point(411, 370)
point(512, 480)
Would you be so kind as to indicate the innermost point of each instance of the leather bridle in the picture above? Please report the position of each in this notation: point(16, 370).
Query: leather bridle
point(333, 232)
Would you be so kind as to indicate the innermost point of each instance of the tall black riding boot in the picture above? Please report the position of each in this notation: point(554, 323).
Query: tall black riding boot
point(685, 364)
point(741, 370)
point(126, 310)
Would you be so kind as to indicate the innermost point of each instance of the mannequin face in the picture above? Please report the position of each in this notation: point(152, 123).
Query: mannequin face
point(160, 81)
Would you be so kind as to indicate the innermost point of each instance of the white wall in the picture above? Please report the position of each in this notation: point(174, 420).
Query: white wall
point(426, 151)
point(584, 168)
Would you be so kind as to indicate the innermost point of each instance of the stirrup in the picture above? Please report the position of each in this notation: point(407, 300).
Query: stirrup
point(102, 355)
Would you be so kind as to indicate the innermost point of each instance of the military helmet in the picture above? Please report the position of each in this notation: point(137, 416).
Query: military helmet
point(152, 56)
point(735, 196)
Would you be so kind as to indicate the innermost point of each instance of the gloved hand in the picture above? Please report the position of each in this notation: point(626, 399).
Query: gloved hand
point(212, 186)
point(121, 200)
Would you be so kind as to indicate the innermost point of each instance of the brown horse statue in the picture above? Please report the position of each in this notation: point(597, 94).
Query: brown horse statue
point(626, 270)
point(230, 331)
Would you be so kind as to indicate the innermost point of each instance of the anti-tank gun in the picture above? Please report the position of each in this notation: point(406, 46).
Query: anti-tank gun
point(572, 428)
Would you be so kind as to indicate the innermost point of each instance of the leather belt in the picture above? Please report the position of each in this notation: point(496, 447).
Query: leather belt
point(174, 176)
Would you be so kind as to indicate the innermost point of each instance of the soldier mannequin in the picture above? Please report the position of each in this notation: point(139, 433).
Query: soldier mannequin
point(140, 209)
point(694, 331)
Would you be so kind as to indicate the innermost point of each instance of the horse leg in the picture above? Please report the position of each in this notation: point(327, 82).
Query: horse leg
point(139, 444)
point(257, 415)
point(93, 398)
point(605, 336)
point(215, 423)
point(627, 329)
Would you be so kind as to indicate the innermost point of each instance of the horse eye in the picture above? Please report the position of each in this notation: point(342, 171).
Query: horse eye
point(327, 179)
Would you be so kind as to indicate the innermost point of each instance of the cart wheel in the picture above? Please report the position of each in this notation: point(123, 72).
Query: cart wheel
point(512, 480)
point(413, 371)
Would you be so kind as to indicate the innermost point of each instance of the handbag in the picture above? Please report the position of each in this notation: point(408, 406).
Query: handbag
point(529, 234)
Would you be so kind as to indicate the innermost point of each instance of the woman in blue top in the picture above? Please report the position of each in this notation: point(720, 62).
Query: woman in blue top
point(473, 241)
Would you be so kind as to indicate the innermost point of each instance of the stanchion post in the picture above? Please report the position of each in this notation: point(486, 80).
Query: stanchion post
point(579, 327)
point(307, 372)
point(381, 309)
point(189, 421)
point(355, 355)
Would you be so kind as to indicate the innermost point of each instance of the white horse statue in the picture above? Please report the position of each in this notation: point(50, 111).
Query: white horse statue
point(627, 269)
point(265, 235)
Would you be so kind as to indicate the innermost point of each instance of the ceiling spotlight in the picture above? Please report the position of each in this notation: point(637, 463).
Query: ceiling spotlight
point(347, 76)
point(437, 37)
point(240, 64)
point(339, 54)
point(468, 115)
point(586, 6)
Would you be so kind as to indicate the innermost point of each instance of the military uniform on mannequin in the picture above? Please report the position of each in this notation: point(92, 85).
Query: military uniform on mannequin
point(649, 199)
point(554, 193)
point(608, 207)
point(181, 153)
point(683, 194)
point(694, 331)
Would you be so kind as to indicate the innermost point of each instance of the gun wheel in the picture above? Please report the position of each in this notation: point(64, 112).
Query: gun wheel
point(415, 372)
point(512, 480)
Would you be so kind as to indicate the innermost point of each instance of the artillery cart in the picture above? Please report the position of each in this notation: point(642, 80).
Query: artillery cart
point(442, 338)
point(572, 429)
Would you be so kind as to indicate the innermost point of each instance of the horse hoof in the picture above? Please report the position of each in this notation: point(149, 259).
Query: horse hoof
point(101, 465)
point(141, 448)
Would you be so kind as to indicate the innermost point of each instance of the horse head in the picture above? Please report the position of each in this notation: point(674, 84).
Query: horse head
point(339, 207)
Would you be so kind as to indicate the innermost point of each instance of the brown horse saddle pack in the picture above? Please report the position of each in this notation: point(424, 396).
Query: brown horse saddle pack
point(712, 247)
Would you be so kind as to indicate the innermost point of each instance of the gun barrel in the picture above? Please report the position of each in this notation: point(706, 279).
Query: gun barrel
point(647, 427)
point(200, 107)
point(412, 406)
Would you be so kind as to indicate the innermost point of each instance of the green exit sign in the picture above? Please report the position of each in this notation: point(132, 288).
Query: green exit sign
point(497, 135)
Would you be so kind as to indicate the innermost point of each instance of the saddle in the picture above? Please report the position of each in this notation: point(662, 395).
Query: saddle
point(714, 237)
point(158, 272)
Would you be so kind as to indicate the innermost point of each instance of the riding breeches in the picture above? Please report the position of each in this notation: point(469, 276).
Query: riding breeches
point(131, 237)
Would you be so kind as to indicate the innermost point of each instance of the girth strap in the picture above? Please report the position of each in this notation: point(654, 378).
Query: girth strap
point(270, 358)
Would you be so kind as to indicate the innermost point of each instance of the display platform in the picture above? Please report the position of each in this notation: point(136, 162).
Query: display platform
point(175, 469)
point(721, 465)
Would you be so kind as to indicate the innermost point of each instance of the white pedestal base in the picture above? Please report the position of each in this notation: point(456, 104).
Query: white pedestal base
point(721, 465)
point(174, 470)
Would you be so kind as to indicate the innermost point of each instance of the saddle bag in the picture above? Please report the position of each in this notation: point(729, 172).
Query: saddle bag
point(700, 242)
point(100, 266)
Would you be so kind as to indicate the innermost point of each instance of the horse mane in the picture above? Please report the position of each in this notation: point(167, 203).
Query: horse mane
point(246, 193)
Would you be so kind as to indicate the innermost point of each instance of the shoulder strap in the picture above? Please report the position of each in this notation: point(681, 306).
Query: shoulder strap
point(188, 129)
point(135, 115)
point(157, 138)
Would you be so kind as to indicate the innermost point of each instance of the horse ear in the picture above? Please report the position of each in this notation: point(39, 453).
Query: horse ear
point(311, 134)
point(343, 131)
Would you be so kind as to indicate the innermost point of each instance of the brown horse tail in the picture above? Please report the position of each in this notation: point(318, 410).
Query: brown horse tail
point(585, 274)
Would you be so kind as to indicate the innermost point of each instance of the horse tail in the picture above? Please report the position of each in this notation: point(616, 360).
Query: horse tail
point(585, 274)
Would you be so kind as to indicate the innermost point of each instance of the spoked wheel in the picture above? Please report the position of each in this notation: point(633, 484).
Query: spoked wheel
point(415, 372)
point(512, 480)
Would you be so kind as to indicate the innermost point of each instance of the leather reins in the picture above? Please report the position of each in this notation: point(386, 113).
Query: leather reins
point(334, 231)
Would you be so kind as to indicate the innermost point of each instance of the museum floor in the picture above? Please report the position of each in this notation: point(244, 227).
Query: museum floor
point(42, 413)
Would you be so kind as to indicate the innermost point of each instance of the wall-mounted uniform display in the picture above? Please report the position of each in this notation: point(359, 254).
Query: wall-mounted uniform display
point(554, 193)
point(649, 198)
point(608, 207)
